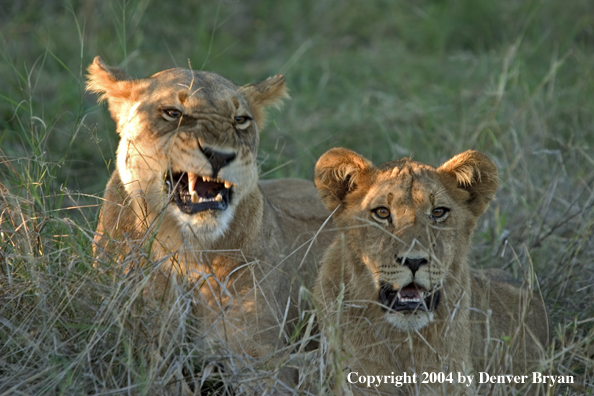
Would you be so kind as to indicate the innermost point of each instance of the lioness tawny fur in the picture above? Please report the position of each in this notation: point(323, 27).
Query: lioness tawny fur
point(186, 189)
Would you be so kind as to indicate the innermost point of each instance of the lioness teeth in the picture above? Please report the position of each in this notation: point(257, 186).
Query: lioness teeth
point(192, 178)
point(194, 197)
point(211, 179)
point(219, 198)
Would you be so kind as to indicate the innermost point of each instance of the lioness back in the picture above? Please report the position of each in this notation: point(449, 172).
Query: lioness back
point(185, 197)
point(297, 198)
point(396, 285)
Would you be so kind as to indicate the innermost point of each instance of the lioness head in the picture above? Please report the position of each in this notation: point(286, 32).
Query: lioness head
point(188, 142)
point(407, 226)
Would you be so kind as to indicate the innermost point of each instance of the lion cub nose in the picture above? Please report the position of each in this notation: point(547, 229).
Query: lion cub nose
point(217, 159)
point(412, 263)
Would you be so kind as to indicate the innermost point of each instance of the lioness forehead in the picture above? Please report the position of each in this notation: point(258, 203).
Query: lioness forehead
point(207, 85)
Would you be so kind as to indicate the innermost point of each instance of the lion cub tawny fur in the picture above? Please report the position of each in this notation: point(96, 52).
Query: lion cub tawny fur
point(186, 190)
point(395, 287)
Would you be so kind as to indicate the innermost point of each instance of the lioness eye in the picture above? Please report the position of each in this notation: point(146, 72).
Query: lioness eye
point(382, 213)
point(172, 113)
point(439, 213)
point(242, 121)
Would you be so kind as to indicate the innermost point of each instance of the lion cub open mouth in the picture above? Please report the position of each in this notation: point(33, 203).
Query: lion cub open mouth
point(195, 193)
point(409, 298)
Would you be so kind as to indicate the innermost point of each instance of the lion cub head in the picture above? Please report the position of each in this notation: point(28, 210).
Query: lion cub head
point(407, 229)
point(188, 141)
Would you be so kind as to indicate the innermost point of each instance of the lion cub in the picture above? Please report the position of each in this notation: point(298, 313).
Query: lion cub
point(396, 283)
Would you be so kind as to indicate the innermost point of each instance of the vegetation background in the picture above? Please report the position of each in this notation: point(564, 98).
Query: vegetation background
point(387, 78)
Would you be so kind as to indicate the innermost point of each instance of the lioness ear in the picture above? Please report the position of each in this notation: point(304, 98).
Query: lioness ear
point(269, 92)
point(338, 172)
point(474, 173)
point(112, 84)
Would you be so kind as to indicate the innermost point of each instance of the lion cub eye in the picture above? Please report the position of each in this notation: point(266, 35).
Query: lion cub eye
point(171, 114)
point(381, 213)
point(439, 214)
point(242, 122)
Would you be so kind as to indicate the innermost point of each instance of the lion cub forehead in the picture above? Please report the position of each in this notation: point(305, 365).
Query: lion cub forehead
point(407, 181)
point(406, 173)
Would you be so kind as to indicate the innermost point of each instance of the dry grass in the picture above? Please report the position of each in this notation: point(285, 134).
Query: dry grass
point(388, 79)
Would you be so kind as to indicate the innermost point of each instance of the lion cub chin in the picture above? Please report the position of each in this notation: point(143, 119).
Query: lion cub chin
point(396, 286)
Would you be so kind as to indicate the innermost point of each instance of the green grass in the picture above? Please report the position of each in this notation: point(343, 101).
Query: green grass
point(428, 78)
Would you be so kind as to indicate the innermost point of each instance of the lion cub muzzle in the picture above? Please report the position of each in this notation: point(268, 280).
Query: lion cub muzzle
point(195, 193)
point(411, 297)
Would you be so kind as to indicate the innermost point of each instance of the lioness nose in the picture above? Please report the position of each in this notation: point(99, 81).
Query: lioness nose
point(412, 263)
point(217, 159)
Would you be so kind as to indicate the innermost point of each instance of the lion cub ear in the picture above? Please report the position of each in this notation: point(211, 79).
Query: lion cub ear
point(112, 84)
point(338, 172)
point(269, 92)
point(474, 173)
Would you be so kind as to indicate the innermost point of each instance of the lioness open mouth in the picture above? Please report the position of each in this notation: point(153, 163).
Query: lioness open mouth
point(196, 193)
point(411, 297)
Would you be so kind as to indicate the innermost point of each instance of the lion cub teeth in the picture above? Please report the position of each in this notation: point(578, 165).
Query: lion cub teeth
point(194, 197)
point(408, 298)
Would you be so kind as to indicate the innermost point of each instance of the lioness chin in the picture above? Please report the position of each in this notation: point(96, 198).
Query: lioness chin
point(186, 190)
point(396, 287)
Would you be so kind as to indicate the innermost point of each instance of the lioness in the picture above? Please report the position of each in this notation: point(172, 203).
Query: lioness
point(186, 190)
point(396, 282)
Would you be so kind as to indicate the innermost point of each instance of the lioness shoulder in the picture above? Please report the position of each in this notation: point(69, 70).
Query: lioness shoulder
point(396, 283)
